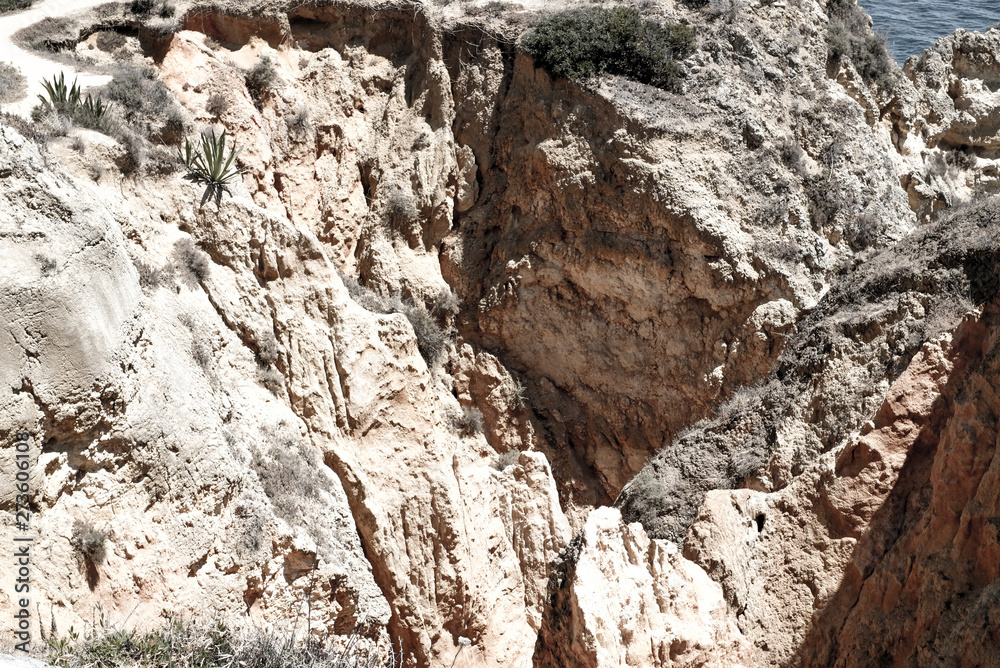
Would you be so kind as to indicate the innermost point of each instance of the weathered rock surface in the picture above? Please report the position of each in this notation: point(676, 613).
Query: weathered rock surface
point(202, 386)
point(621, 599)
point(144, 426)
point(805, 558)
point(639, 255)
point(946, 121)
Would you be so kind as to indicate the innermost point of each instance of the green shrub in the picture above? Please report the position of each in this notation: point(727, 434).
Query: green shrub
point(50, 34)
point(167, 11)
point(849, 35)
point(141, 95)
point(209, 164)
point(13, 5)
point(581, 43)
point(110, 41)
point(141, 7)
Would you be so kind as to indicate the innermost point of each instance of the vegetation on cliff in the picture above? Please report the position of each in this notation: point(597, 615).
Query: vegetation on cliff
point(850, 35)
point(184, 644)
point(582, 43)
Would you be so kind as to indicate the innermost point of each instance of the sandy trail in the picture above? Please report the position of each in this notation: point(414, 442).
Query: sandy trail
point(31, 65)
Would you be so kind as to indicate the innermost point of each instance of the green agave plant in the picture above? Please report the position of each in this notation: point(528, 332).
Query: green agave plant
point(64, 99)
point(209, 164)
point(90, 112)
point(93, 113)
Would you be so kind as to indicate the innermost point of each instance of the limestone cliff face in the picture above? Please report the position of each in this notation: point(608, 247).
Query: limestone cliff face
point(638, 255)
point(201, 384)
point(945, 121)
point(866, 555)
point(146, 420)
point(618, 598)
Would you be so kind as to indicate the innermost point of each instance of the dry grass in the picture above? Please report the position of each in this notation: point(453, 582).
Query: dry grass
point(186, 644)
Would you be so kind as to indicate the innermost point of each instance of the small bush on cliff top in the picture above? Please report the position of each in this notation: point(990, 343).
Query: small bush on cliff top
point(13, 5)
point(578, 44)
point(849, 35)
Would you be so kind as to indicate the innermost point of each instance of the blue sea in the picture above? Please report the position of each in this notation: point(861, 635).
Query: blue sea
point(913, 25)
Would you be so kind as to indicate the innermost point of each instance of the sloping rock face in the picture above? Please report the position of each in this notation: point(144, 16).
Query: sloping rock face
point(238, 398)
point(621, 599)
point(855, 553)
point(638, 255)
point(144, 427)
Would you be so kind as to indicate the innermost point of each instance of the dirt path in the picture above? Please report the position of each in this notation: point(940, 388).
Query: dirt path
point(31, 65)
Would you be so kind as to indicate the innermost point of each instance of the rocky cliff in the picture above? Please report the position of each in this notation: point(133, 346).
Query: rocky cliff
point(455, 307)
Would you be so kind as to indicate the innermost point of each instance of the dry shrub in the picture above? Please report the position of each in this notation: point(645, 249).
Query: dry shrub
point(13, 84)
point(509, 458)
point(468, 422)
point(89, 541)
point(192, 258)
point(289, 471)
point(110, 41)
point(217, 104)
point(261, 79)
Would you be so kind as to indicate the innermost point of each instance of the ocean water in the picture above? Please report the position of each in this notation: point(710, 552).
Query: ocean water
point(913, 25)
